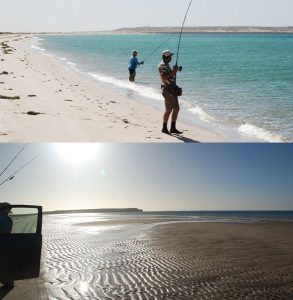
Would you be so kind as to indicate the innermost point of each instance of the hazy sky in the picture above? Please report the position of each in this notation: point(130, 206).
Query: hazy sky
point(150, 176)
point(82, 15)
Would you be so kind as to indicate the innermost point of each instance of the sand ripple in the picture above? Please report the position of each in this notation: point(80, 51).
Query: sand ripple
point(164, 264)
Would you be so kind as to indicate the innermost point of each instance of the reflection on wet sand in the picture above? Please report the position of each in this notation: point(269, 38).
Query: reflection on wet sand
point(132, 259)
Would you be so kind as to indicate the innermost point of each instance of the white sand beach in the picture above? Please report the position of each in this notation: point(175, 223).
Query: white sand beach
point(56, 104)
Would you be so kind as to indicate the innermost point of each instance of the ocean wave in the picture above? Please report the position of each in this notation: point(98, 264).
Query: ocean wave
point(203, 116)
point(37, 38)
point(36, 47)
point(72, 64)
point(37, 44)
point(253, 131)
point(139, 88)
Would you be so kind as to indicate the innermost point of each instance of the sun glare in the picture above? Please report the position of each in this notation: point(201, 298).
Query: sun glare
point(77, 153)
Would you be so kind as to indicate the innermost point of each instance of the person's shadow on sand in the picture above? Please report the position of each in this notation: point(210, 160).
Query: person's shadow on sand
point(4, 291)
point(184, 139)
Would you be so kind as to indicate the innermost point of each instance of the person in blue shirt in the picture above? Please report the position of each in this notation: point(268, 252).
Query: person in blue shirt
point(133, 63)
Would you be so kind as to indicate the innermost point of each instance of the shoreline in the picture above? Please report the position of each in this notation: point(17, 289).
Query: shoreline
point(142, 257)
point(56, 104)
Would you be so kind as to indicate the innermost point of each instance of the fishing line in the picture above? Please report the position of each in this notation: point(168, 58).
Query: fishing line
point(13, 159)
point(158, 48)
point(18, 170)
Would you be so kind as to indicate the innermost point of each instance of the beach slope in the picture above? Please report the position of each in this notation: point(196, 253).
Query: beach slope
point(43, 101)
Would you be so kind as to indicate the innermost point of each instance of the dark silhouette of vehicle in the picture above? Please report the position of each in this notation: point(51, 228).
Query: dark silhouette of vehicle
point(20, 250)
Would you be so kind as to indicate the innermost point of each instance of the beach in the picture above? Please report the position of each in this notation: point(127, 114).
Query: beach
point(140, 257)
point(43, 101)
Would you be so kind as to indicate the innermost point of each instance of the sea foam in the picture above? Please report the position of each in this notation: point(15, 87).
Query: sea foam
point(253, 131)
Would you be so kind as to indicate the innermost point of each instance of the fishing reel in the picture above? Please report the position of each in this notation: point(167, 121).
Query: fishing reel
point(178, 67)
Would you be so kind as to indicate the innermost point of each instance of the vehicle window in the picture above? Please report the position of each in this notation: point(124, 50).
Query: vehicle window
point(24, 220)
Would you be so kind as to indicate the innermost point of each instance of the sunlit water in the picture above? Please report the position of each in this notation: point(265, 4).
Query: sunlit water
point(239, 86)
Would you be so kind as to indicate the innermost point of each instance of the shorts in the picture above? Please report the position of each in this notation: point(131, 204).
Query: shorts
point(131, 71)
point(171, 101)
point(132, 74)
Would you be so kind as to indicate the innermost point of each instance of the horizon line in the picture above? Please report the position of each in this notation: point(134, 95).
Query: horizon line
point(151, 29)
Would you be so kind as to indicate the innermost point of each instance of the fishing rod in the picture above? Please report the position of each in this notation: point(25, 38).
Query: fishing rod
point(18, 170)
point(171, 37)
point(157, 48)
point(13, 159)
point(178, 48)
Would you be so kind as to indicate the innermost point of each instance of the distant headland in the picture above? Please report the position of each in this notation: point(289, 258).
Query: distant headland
point(174, 29)
point(207, 29)
point(99, 210)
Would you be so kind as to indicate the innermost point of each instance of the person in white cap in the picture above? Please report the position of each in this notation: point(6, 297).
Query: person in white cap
point(133, 63)
point(168, 77)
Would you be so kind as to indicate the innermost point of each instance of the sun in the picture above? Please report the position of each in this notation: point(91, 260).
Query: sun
point(77, 153)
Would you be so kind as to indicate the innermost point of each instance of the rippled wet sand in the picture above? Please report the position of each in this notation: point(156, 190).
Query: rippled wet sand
point(130, 259)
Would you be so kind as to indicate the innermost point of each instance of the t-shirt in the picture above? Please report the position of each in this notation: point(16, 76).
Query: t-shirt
point(165, 69)
point(133, 63)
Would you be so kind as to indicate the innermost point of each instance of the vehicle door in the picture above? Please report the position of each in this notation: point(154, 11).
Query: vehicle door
point(20, 250)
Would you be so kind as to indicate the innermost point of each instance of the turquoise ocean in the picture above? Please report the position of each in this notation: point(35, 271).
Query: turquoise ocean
point(237, 85)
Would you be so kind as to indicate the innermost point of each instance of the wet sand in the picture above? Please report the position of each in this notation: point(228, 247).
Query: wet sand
point(136, 260)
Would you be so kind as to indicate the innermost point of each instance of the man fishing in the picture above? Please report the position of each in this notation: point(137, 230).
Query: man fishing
point(170, 91)
point(133, 63)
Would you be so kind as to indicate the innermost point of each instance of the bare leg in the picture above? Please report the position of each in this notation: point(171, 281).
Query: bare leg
point(174, 118)
point(167, 115)
point(165, 121)
point(175, 114)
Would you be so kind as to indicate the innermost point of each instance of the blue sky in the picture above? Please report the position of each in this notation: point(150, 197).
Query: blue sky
point(83, 15)
point(151, 176)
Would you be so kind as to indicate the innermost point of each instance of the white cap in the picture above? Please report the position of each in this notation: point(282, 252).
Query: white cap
point(167, 53)
point(134, 51)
